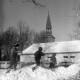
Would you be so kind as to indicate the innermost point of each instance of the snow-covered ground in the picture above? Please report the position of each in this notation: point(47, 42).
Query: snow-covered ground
point(40, 73)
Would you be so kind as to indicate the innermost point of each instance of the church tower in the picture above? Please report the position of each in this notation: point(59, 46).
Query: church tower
point(49, 36)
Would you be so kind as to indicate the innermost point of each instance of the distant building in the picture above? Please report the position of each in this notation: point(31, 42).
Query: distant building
point(67, 51)
point(49, 37)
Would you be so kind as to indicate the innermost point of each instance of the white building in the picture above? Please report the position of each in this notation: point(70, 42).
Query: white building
point(66, 51)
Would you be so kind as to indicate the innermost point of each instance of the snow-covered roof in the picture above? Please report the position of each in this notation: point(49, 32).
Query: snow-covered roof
point(51, 47)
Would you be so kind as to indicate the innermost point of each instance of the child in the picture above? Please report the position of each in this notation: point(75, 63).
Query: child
point(37, 56)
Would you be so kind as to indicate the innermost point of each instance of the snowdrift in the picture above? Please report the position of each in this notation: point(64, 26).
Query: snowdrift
point(40, 73)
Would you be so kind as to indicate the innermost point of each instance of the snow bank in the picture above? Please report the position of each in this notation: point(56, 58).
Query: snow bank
point(40, 73)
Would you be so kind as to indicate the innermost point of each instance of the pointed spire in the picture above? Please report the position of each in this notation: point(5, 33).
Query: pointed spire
point(48, 23)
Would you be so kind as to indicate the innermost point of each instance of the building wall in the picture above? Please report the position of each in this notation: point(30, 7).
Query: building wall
point(46, 59)
point(27, 58)
point(30, 58)
point(74, 58)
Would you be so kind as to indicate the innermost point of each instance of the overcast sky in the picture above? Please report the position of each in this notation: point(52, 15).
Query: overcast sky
point(60, 12)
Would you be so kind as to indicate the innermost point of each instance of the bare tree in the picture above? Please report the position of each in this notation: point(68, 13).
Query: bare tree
point(25, 34)
point(31, 37)
point(35, 2)
point(9, 38)
point(0, 46)
point(20, 27)
point(40, 37)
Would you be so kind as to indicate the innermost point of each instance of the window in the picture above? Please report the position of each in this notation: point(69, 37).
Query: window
point(65, 56)
point(72, 56)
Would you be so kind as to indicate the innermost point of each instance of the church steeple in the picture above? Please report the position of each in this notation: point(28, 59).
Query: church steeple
point(49, 37)
point(48, 23)
point(48, 26)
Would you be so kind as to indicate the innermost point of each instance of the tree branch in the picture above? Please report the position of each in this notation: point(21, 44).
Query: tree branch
point(37, 4)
